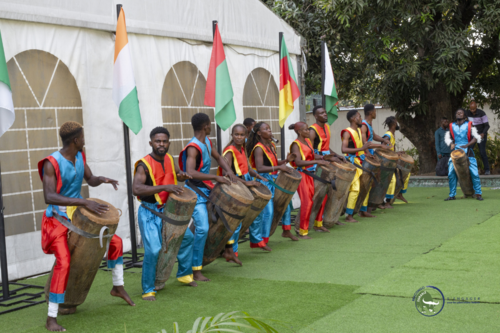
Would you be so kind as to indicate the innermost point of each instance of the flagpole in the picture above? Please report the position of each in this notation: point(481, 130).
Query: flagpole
point(3, 247)
point(128, 163)
point(323, 64)
point(219, 134)
point(283, 154)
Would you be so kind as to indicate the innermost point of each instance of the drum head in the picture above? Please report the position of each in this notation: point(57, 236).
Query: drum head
point(239, 191)
point(406, 158)
point(261, 191)
point(345, 166)
point(386, 153)
point(458, 153)
point(294, 175)
point(187, 195)
point(112, 216)
point(373, 160)
point(327, 168)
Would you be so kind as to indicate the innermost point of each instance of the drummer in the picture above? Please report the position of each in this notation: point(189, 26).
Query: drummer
point(354, 149)
point(156, 176)
point(62, 174)
point(264, 159)
point(235, 156)
point(463, 135)
point(369, 135)
point(306, 160)
point(195, 159)
point(393, 126)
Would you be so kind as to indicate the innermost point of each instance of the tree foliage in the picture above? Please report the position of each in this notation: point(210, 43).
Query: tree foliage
point(424, 59)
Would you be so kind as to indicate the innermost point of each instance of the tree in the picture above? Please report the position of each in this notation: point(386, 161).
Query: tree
point(424, 59)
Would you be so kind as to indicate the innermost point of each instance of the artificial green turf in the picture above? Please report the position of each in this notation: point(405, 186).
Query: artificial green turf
point(316, 285)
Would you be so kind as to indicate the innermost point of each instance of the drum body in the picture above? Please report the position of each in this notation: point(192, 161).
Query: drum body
point(86, 254)
point(326, 172)
point(261, 195)
point(344, 174)
point(461, 165)
point(366, 181)
point(388, 162)
point(289, 182)
point(234, 199)
point(403, 170)
point(179, 207)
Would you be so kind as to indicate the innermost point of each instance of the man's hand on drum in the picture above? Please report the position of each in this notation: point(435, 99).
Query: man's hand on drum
point(96, 207)
point(367, 145)
point(182, 176)
point(173, 189)
point(323, 162)
point(261, 178)
point(109, 181)
point(284, 168)
point(223, 180)
point(233, 178)
point(252, 183)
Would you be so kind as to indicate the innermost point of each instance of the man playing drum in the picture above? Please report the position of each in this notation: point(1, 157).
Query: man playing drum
point(463, 135)
point(156, 176)
point(195, 159)
point(62, 174)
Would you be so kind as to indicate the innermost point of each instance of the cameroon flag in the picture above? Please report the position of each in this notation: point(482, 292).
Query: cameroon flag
point(219, 92)
point(289, 91)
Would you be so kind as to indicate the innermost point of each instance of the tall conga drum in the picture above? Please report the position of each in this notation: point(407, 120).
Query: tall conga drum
point(326, 172)
point(289, 182)
point(461, 164)
point(86, 254)
point(261, 195)
point(179, 209)
point(388, 162)
point(234, 201)
point(403, 170)
point(344, 174)
point(366, 180)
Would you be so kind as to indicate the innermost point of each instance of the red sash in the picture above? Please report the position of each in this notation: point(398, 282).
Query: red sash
point(323, 135)
point(158, 176)
point(469, 131)
point(240, 161)
point(269, 154)
point(306, 151)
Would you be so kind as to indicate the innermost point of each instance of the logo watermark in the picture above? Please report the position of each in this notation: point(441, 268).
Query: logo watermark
point(429, 301)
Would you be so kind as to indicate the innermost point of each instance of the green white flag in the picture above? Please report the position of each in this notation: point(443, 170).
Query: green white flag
point(7, 115)
point(330, 91)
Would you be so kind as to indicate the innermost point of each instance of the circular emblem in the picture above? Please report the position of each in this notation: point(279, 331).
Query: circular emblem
point(429, 301)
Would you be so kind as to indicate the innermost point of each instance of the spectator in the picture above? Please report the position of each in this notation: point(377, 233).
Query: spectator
point(442, 149)
point(480, 121)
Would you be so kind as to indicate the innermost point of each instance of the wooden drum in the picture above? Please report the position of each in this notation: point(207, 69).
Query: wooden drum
point(388, 162)
point(261, 195)
point(403, 171)
point(86, 254)
point(178, 208)
point(235, 201)
point(366, 181)
point(289, 182)
point(461, 165)
point(344, 174)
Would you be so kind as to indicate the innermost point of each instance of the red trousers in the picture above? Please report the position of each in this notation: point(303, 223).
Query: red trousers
point(306, 193)
point(55, 241)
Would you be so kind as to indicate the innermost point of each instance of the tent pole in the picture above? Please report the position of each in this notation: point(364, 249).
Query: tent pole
point(3, 247)
point(130, 196)
point(323, 64)
point(219, 133)
point(283, 153)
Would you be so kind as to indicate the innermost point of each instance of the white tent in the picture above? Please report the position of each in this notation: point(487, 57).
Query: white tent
point(60, 59)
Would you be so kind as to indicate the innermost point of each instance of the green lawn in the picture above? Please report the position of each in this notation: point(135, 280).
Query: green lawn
point(359, 278)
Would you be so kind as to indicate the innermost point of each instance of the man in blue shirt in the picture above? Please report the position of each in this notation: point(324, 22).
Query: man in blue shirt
point(442, 149)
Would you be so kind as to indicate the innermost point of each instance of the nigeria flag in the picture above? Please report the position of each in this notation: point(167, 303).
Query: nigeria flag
point(330, 91)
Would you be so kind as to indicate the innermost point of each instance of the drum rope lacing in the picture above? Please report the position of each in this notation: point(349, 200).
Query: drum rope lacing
point(169, 217)
point(324, 181)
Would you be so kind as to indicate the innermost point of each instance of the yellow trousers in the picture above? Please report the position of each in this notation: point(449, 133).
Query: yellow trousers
point(354, 191)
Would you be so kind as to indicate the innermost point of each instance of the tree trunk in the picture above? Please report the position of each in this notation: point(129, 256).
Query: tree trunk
point(420, 129)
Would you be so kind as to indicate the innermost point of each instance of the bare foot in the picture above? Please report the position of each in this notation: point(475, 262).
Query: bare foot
point(288, 234)
point(365, 214)
point(381, 207)
point(304, 237)
point(350, 219)
point(339, 223)
point(159, 287)
point(388, 206)
point(53, 326)
point(192, 284)
point(321, 229)
point(149, 298)
point(197, 276)
point(400, 197)
point(230, 256)
point(266, 248)
point(119, 291)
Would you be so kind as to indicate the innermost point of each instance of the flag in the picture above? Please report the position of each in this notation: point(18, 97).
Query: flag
point(289, 91)
point(219, 92)
point(330, 92)
point(124, 89)
point(7, 115)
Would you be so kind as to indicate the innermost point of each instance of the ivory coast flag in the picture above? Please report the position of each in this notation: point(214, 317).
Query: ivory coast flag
point(219, 92)
point(124, 89)
point(330, 92)
point(7, 115)
point(289, 91)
